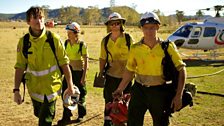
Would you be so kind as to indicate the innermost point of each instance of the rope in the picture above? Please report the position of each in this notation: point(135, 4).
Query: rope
point(203, 75)
point(189, 77)
point(209, 93)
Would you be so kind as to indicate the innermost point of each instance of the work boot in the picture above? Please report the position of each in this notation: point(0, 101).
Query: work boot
point(108, 123)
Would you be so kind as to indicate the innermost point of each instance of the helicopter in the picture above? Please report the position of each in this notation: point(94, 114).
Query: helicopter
point(206, 35)
point(50, 23)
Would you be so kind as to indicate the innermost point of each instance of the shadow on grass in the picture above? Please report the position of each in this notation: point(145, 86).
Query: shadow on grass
point(198, 62)
point(80, 123)
point(210, 93)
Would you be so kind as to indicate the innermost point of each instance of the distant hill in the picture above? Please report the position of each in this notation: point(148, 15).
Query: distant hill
point(6, 16)
point(18, 16)
point(80, 16)
point(129, 13)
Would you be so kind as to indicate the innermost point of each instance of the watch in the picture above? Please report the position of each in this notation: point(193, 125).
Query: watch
point(14, 90)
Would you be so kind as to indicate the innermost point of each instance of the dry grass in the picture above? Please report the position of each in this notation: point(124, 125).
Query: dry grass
point(207, 111)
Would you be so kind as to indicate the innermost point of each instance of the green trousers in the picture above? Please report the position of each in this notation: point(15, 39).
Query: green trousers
point(44, 111)
point(76, 77)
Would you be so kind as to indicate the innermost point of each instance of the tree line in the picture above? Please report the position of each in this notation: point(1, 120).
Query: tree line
point(95, 16)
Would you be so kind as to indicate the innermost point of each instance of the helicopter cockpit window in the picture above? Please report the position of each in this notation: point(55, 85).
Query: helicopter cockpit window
point(196, 32)
point(209, 32)
point(184, 31)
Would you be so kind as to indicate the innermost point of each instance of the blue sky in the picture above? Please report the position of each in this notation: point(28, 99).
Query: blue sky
point(166, 6)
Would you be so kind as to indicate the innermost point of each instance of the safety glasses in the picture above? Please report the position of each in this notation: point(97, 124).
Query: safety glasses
point(114, 23)
point(72, 28)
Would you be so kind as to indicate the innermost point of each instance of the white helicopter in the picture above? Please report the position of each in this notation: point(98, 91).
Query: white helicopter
point(207, 35)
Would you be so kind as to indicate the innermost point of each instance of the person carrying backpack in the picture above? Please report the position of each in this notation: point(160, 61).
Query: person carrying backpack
point(113, 56)
point(43, 76)
point(149, 91)
point(78, 56)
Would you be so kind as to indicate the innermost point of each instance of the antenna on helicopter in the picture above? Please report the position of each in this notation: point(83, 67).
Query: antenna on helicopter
point(217, 8)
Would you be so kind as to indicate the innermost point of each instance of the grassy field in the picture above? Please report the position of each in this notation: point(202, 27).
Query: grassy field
point(208, 110)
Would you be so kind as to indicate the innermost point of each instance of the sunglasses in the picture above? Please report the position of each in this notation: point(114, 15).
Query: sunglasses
point(114, 23)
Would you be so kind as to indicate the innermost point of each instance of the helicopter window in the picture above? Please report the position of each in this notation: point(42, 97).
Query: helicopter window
point(209, 32)
point(197, 32)
point(183, 31)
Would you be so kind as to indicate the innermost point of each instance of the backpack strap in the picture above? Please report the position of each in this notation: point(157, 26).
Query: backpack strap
point(106, 39)
point(80, 47)
point(26, 45)
point(165, 45)
point(106, 67)
point(66, 43)
point(128, 40)
point(169, 70)
point(50, 40)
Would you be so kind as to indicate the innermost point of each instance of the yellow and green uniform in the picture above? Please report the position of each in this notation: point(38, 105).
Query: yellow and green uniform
point(76, 57)
point(147, 63)
point(77, 68)
point(119, 52)
point(43, 76)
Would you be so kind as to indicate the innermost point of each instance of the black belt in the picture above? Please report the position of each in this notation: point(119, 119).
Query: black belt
point(147, 86)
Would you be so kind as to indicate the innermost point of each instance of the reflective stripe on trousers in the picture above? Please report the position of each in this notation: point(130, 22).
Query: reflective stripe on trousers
point(43, 72)
point(49, 97)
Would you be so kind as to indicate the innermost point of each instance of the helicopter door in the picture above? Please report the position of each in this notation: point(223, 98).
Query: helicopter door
point(207, 39)
point(194, 38)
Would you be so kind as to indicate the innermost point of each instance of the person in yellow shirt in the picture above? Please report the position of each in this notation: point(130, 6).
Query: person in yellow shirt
point(78, 55)
point(113, 57)
point(43, 76)
point(145, 62)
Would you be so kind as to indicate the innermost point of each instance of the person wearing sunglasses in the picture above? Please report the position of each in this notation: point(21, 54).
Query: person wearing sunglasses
point(113, 57)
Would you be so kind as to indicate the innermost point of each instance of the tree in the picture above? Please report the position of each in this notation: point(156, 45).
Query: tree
point(92, 15)
point(199, 14)
point(180, 16)
point(69, 14)
point(132, 17)
point(161, 16)
point(46, 8)
point(62, 15)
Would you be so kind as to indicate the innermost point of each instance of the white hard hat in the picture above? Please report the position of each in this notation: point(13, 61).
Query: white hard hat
point(113, 17)
point(149, 18)
point(74, 26)
point(71, 101)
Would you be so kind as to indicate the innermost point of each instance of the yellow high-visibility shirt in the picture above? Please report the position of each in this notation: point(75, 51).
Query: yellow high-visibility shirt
point(76, 57)
point(119, 52)
point(147, 62)
point(43, 76)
